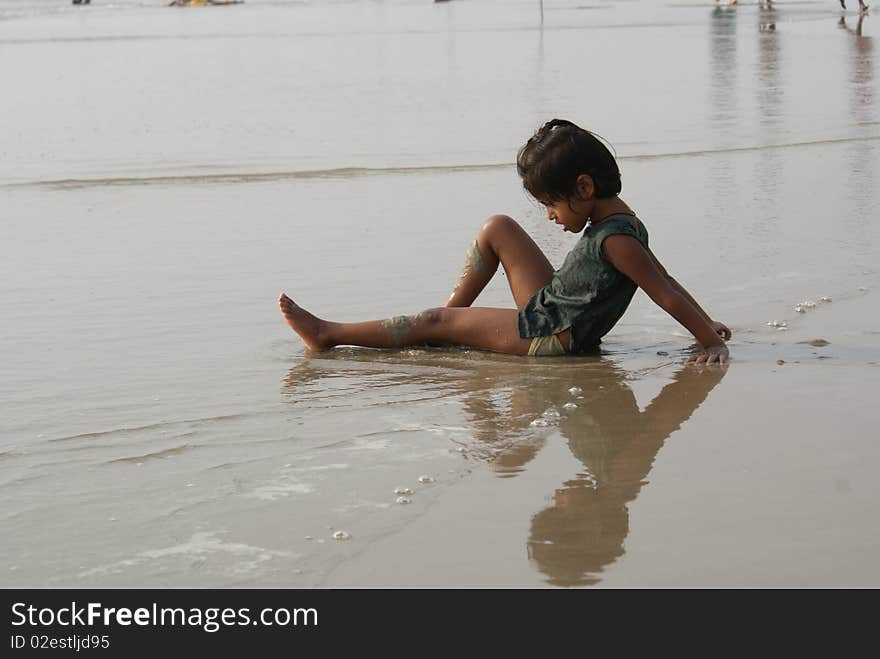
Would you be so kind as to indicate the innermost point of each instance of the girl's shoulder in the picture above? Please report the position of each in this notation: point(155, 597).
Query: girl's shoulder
point(629, 225)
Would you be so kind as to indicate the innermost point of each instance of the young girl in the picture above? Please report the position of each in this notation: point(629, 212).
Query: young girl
point(567, 311)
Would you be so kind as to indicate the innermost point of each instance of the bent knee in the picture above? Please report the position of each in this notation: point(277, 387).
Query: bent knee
point(500, 224)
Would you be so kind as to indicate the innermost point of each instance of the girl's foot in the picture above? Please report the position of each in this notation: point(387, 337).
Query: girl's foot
point(310, 329)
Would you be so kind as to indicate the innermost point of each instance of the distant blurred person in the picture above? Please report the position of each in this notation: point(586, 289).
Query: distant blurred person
point(203, 3)
point(863, 8)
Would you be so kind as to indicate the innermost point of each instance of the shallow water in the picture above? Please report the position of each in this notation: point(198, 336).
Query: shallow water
point(166, 172)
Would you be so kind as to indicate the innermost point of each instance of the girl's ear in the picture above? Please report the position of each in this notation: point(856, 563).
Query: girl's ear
point(586, 189)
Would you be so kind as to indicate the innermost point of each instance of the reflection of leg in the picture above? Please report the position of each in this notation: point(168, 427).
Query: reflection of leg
point(489, 329)
point(502, 240)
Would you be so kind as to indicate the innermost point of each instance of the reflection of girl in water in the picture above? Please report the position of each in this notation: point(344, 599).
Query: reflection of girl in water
point(584, 530)
point(501, 399)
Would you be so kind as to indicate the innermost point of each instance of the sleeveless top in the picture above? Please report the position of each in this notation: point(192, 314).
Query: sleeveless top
point(587, 294)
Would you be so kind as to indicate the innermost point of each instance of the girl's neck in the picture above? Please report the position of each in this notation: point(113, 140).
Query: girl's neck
point(605, 208)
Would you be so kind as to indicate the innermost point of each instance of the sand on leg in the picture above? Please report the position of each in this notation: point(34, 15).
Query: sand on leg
point(502, 240)
point(476, 327)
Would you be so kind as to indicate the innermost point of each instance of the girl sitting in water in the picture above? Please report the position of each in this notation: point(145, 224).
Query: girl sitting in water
point(567, 311)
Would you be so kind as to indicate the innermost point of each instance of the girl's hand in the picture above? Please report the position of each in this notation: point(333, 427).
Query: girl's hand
point(711, 355)
point(721, 329)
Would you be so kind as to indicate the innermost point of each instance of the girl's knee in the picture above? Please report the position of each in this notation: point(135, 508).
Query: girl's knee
point(499, 223)
point(433, 317)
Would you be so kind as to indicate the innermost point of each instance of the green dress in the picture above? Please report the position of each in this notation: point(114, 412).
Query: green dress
point(587, 294)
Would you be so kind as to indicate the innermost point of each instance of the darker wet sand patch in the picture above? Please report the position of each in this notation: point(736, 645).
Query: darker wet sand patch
point(158, 455)
point(816, 343)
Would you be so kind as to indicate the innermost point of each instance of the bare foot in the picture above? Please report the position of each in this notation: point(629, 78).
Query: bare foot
point(309, 328)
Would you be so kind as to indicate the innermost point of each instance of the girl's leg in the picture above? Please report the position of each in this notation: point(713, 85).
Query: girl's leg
point(488, 329)
point(502, 240)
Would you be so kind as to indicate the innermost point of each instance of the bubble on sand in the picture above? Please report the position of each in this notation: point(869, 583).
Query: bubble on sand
point(809, 304)
point(777, 324)
point(800, 308)
point(308, 537)
point(575, 391)
point(570, 406)
point(403, 500)
point(425, 479)
point(547, 418)
point(402, 490)
point(342, 535)
point(824, 298)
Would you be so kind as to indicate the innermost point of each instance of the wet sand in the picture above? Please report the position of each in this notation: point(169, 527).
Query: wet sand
point(733, 497)
point(160, 426)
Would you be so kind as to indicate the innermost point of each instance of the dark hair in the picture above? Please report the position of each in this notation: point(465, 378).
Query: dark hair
point(559, 151)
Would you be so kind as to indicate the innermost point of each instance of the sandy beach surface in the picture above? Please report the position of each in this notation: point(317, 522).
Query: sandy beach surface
point(165, 173)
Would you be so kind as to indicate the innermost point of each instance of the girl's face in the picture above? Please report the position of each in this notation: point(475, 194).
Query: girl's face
point(573, 214)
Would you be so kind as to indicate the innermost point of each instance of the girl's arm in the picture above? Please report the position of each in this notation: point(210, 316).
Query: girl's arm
point(629, 257)
point(720, 328)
